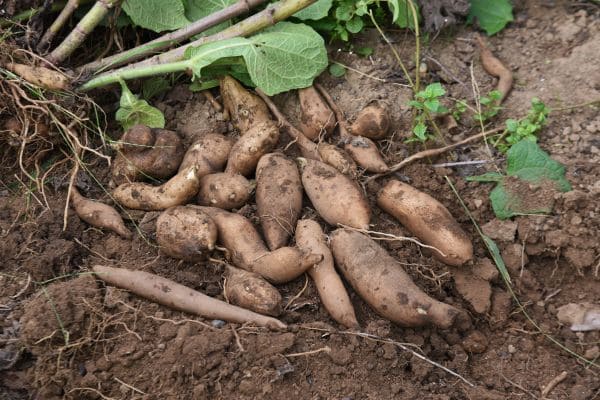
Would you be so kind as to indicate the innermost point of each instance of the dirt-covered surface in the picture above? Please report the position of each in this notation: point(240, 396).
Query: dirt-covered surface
point(65, 335)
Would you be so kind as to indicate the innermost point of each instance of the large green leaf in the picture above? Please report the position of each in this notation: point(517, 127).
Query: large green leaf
point(133, 111)
point(156, 15)
point(517, 193)
point(284, 57)
point(402, 13)
point(197, 9)
point(315, 11)
point(491, 15)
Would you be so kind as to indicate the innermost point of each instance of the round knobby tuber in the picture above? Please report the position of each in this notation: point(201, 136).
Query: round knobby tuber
point(186, 232)
point(372, 122)
point(427, 219)
point(224, 190)
point(317, 119)
point(250, 291)
point(147, 152)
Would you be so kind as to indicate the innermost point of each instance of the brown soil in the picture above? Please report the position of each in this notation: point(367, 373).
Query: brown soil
point(65, 335)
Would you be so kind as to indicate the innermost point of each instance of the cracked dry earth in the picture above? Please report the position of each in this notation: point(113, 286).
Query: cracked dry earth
point(122, 347)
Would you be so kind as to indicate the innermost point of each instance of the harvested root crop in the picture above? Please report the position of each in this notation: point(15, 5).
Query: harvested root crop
point(99, 214)
point(178, 297)
point(333, 294)
point(245, 109)
point(337, 198)
point(362, 149)
point(317, 119)
point(372, 122)
point(380, 280)
point(250, 291)
point(147, 152)
point(278, 198)
point(41, 76)
point(338, 159)
point(427, 219)
point(209, 154)
point(260, 139)
point(224, 190)
point(186, 232)
point(176, 191)
point(247, 250)
point(494, 67)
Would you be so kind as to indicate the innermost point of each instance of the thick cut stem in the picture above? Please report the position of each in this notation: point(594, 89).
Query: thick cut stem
point(80, 32)
point(165, 41)
point(57, 25)
point(269, 16)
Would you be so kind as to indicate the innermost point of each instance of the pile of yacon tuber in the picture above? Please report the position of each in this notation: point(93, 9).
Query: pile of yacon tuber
point(201, 187)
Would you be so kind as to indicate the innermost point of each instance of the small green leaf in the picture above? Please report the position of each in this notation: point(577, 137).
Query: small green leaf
point(416, 104)
point(432, 105)
point(495, 252)
point(156, 15)
point(355, 25)
point(344, 11)
point(420, 131)
point(434, 90)
point(315, 11)
point(511, 125)
point(337, 70)
point(364, 51)
point(198, 86)
point(492, 16)
point(133, 111)
point(154, 86)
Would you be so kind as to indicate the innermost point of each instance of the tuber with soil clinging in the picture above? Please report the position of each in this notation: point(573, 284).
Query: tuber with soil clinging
point(250, 291)
point(278, 198)
point(337, 198)
point(99, 214)
point(245, 109)
point(317, 119)
point(176, 191)
point(224, 190)
point(185, 232)
point(260, 139)
point(333, 294)
point(493, 66)
point(372, 122)
point(209, 154)
point(173, 295)
point(427, 219)
point(248, 251)
point(380, 280)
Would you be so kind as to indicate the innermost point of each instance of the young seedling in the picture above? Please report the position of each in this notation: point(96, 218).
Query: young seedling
point(525, 128)
point(426, 104)
point(489, 106)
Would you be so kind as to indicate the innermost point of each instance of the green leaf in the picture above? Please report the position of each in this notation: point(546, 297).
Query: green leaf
point(512, 125)
point(530, 163)
point(420, 131)
point(156, 15)
point(337, 70)
point(344, 11)
point(432, 105)
point(283, 57)
point(197, 9)
point(133, 111)
point(315, 11)
point(154, 86)
point(198, 86)
point(528, 166)
point(495, 252)
point(434, 90)
point(402, 13)
point(364, 51)
point(355, 25)
point(492, 16)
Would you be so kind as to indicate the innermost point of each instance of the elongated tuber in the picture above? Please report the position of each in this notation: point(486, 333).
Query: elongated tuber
point(99, 214)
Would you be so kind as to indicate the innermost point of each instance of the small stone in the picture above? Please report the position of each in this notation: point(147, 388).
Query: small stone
point(475, 343)
point(478, 203)
point(161, 346)
point(592, 353)
point(217, 323)
point(512, 349)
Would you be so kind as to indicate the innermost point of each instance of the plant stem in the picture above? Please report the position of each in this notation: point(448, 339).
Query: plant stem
point(56, 26)
point(139, 52)
point(269, 16)
point(80, 32)
point(413, 10)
